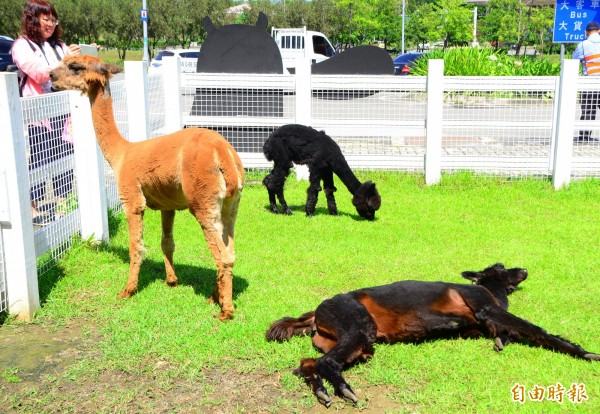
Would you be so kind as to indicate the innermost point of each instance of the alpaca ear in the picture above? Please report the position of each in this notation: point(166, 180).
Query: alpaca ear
point(373, 197)
point(112, 68)
point(262, 21)
point(474, 277)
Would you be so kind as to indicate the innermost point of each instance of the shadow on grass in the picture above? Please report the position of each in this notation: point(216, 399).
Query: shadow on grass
point(318, 211)
point(201, 279)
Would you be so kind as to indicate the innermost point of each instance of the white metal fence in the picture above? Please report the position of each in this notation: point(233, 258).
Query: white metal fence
point(509, 126)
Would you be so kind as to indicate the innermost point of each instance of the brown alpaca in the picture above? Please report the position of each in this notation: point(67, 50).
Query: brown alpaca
point(193, 168)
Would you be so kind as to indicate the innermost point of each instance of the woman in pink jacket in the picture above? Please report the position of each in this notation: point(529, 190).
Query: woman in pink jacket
point(37, 52)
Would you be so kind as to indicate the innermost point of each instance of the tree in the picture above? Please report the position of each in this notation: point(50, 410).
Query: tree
point(422, 26)
point(82, 20)
point(542, 20)
point(456, 22)
point(123, 25)
point(501, 22)
point(11, 14)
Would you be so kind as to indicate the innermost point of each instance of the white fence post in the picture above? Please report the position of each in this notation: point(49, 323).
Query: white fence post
point(303, 105)
point(89, 170)
point(172, 92)
point(15, 224)
point(433, 122)
point(138, 114)
point(565, 123)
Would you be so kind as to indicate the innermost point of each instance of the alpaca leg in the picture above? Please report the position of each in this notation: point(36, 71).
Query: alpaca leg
point(506, 327)
point(212, 225)
point(228, 215)
point(308, 370)
point(345, 331)
point(312, 193)
point(352, 345)
point(168, 245)
point(329, 189)
point(135, 223)
point(275, 183)
point(356, 332)
point(267, 182)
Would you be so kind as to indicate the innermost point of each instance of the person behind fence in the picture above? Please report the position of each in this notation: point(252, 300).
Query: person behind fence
point(588, 52)
point(37, 52)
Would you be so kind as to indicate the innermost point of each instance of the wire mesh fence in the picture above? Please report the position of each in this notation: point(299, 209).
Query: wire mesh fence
point(500, 127)
point(586, 135)
point(53, 185)
point(244, 108)
point(378, 122)
point(119, 98)
point(156, 100)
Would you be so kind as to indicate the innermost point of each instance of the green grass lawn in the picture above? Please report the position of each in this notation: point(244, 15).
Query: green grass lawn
point(112, 56)
point(287, 265)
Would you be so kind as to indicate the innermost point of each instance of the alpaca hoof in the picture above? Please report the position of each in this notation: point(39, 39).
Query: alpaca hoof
point(592, 357)
point(498, 345)
point(224, 316)
point(347, 394)
point(323, 397)
point(125, 294)
point(172, 283)
point(275, 210)
point(287, 212)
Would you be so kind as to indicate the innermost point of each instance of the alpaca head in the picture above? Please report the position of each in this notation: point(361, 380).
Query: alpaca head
point(367, 200)
point(82, 72)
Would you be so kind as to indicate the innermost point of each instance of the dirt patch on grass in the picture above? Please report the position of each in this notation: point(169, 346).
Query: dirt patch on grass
point(40, 372)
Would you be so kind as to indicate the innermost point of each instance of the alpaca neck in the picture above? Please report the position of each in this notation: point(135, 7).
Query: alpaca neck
point(109, 138)
point(499, 292)
point(347, 176)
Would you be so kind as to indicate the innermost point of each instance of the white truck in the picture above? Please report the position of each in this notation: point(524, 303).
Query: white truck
point(301, 43)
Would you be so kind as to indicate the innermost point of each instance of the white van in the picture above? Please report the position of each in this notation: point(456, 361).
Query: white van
point(301, 43)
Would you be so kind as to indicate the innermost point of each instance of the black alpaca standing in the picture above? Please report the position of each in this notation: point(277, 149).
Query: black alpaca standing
point(300, 144)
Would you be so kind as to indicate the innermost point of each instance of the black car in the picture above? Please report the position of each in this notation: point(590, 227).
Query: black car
point(5, 56)
point(403, 62)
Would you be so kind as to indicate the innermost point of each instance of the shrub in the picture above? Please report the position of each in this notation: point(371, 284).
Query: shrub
point(469, 61)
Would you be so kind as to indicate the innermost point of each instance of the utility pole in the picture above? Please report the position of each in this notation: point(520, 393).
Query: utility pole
point(475, 42)
point(403, 9)
point(144, 19)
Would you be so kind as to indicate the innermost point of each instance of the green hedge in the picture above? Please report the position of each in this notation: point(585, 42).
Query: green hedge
point(469, 61)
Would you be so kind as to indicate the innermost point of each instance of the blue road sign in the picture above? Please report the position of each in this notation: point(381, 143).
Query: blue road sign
point(571, 17)
point(144, 15)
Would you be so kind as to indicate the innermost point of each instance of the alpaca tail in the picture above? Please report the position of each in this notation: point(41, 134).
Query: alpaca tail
point(285, 328)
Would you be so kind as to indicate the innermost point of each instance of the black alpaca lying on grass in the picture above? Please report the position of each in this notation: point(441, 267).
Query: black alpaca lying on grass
point(304, 145)
point(346, 326)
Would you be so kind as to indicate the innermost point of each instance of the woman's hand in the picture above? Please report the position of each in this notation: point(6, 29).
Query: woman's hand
point(74, 49)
